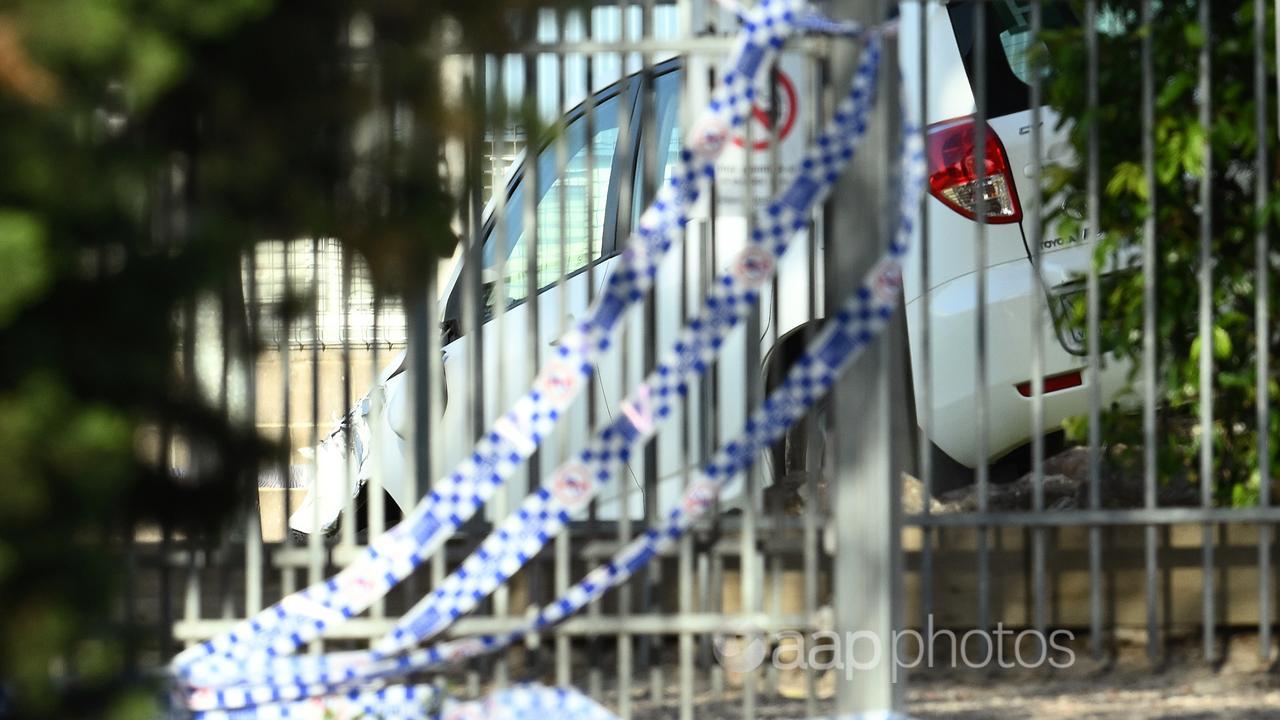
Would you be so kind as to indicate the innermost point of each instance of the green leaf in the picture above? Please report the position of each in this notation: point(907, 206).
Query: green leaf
point(1222, 346)
point(1193, 34)
point(1173, 89)
point(154, 64)
point(1193, 153)
point(1221, 343)
point(23, 257)
point(1127, 179)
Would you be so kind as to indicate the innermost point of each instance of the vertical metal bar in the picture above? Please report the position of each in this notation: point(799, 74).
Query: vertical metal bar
point(563, 660)
point(709, 425)
point(624, 667)
point(980, 260)
point(497, 296)
point(376, 494)
point(348, 539)
point(168, 442)
point(315, 541)
point(1150, 539)
point(288, 578)
point(532, 245)
point(433, 400)
point(716, 588)
point(1094, 342)
point(1206, 330)
point(226, 308)
point(747, 561)
point(1148, 338)
point(923, 385)
point(594, 670)
point(684, 569)
point(651, 574)
point(1262, 327)
point(814, 425)
point(377, 497)
point(347, 525)
point(1036, 236)
point(253, 520)
point(472, 319)
point(191, 609)
point(774, 560)
point(868, 560)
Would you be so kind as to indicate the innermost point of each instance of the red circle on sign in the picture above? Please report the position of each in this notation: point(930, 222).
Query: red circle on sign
point(788, 120)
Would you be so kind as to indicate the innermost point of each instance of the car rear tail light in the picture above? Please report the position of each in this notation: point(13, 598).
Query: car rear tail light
point(953, 172)
point(1054, 383)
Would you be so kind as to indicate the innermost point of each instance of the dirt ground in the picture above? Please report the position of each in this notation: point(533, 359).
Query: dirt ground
point(1125, 687)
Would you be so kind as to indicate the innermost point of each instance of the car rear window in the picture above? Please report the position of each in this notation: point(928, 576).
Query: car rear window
point(1008, 41)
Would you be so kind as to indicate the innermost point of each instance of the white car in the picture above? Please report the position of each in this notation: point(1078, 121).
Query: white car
point(594, 232)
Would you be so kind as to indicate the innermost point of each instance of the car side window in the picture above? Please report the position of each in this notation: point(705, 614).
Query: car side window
point(580, 192)
point(666, 129)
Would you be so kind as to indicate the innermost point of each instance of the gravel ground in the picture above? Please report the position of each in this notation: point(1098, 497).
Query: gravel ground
point(1123, 688)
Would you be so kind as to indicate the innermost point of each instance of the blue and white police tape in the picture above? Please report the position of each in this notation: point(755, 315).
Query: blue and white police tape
point(394, 702)
point(530, 702)
point(304, 616)
point(426, 702)
point(544, 513)
point(572, 486)
point(859, 320)
point(808, 20)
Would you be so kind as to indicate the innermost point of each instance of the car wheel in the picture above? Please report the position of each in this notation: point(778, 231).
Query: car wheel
point(802, 449)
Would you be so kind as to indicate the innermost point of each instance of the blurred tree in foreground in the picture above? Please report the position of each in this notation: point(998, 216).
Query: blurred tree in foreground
point(1180, 144)
point(146, 146)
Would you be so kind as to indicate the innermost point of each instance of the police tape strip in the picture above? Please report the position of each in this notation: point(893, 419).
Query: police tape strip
point(394, 702)
point(520, 702)
point(854, 326)
point(859, 321)
point(530, 702)
point(542, 516)
point(571, 487)
point(304, 616)
point(426, 702)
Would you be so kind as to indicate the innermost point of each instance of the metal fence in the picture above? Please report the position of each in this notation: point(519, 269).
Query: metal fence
point(618, 82)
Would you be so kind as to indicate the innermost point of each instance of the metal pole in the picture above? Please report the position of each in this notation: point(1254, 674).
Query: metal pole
point(867, 562)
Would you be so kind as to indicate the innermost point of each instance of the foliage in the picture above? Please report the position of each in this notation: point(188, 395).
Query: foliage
point(1180, 144)
point(147, 145)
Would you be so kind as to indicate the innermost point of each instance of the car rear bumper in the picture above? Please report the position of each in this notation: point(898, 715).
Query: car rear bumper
point(956, 422)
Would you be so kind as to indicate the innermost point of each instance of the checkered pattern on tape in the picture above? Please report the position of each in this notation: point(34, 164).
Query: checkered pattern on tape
point(280, 694)
point(501, 555)
point(467, 647)
point(274, 632)
point(856, 325)
point(395, 702)
point(522, 702)
point(852, 329)
point(542, 515)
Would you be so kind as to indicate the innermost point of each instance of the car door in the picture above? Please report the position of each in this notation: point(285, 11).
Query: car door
point(576, 173)
point(658, 115)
